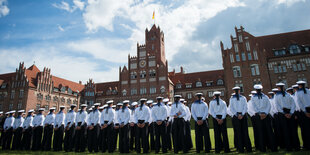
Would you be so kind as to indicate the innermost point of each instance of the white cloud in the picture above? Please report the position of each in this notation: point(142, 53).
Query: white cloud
point(70, 67)
point(60, 28)
point(289, 2)
point(77, 4)
point(4, 10)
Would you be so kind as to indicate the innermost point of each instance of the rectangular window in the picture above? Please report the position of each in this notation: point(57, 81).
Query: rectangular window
point(303, 66)
point(142, 91)
point(19, 105)
point(298, 67)
point(255, 55)
point(237, 72)
point(249, 56)
point(12, 94)
point(307, 49)
point(247, 46)
point(232, 58)
point(189, 95)
point(280, 69)
point(253, 70)
point(208, 83)
point(240, 38)
point(11, 106)
point(21, 93)
point(152, 90)
point(210, 93)
point(151, 63)
point(133, 65)
point(243, 56)
point(284, 69)
point(237, 58)
point(275, 68)
point(142, 53)
point(38, 106)
point(236, 47)
point(188, 85)
point(294, 67)
point(179, 86)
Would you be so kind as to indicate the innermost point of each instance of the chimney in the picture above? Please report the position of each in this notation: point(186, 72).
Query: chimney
point(181, 70)
point(80, 82)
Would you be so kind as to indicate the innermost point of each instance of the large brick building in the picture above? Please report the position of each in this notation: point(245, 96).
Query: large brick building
point(251, 60)
point(266, 60)
point(33, 89)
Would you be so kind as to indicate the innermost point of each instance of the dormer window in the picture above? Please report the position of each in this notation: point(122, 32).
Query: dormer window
point(294, 49)
point(179, 86)
point(198, 84)
point(220, 82)
point(188, 85)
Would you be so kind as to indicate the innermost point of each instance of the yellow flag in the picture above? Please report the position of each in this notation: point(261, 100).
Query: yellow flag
point(153, 15)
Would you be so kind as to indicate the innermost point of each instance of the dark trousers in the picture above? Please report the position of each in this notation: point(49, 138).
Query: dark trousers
point(58, 138)
point(17, 139)
point(93, 139)
point(141, 135)
point(7, 139)
point(265, 134)
point(178, 131)
point(305, 130)
point(80, 139)
point(169, 142)
point(219, 132)
point(188, 136)
point(124, 139)
point(255, 131)
point(241, 131)
point(47, 138)
point(37, 138)
point(202, 136)
point(160, 133)
point(132, 137)
point(115, 136)
point(276, 124)
point(151, 134)
point(69, 139)
point(107, 139)
point(27, 137)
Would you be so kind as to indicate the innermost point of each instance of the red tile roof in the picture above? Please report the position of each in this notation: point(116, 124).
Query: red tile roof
point(66, 83)
point(103, 87)
point(283, 40)
point(4, 78)
point(196, 76)
point(31, 74)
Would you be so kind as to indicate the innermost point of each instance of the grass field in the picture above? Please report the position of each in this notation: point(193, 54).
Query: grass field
point(230, 138)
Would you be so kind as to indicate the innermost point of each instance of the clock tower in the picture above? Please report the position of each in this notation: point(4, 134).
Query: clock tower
point(147, 73)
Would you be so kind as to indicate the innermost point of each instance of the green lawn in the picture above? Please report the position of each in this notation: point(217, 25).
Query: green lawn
point(230, 136)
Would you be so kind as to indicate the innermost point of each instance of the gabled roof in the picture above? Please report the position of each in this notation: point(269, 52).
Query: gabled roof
point(203, 77)
point(283, 40)
point(4, 78)
point(31, 74)
point(66, 83)
point(103, 87)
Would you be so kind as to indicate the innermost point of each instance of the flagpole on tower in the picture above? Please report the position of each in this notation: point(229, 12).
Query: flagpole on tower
point(153, 17)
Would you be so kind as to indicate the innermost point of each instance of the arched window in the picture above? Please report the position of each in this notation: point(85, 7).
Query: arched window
point(142, 74)
point(220, 82)
point(152, 73)
point(133, 75)
point(198, 84)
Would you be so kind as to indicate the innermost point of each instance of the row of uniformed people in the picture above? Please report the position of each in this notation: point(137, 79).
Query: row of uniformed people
point(261, 109)
point(275, 119)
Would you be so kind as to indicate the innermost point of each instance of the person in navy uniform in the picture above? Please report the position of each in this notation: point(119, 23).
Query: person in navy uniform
point(27, 130)
point(187, 118)
point(218, 110)
point(48, 130)
point(178, 113)
point(200, 114)
point(8, 131)
point(142, 116)
point(116, 126)
point(2, 120)
point(106, 120)
point(100, 130)
point(80, 129)
point(261, 106)
point(132, 125)
point(123, 119)
point(238, 108)
point(69, 129)
point(59, 129)
point(37, 130)
point(303, 100)
point(18, 131)
point(151, 130)
point(93, 129)
point(286, 107)
point(168, 123)
point(159, 115)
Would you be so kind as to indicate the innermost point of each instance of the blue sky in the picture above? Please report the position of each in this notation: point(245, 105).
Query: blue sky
point(82, 39)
